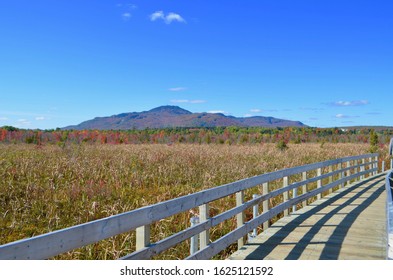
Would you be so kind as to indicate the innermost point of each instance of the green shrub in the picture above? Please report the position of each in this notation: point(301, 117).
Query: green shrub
point(282, 145)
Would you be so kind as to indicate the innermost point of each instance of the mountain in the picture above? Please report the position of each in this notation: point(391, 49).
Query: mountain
point(174, 116)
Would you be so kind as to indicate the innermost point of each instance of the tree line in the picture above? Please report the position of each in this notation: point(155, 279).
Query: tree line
point(217, 135)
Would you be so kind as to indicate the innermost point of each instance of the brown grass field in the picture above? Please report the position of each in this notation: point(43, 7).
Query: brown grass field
point(46, 188)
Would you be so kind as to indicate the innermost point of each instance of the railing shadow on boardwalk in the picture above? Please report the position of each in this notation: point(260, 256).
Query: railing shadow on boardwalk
point(338, 235)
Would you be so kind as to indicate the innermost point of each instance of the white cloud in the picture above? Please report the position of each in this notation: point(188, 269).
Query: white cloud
point(128, 9)
point(173, 17)
point(217, 112)
point(177, 89)
point(126, 16)
point(255, 110)
point(3, 119)
point(248, 115)
point(342, 103)
point(169, 18)
point(187, 101)
point(350, 103)
point(40, 118)
point(342, 116)
point(157, 15)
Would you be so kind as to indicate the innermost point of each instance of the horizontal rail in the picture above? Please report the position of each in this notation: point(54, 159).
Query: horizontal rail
point(61, 241)
point(231, 237)
point(164, 244)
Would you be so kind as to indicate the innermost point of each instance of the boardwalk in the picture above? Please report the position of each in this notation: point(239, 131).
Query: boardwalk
point(348, 224)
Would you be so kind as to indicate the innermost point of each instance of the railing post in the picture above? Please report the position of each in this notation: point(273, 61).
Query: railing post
point(194, 240)
point(294, 208)
point(330, 177)
point(265, 203)
point(240, 217)
point(362, 169)
point(376, 165)
point(204, 236)
point(286, 194)
point(383, 166)
point(358, 169)
point(304, 178)
point(348, 182)
point(254, 215)
point(391, 163)
point(319, 182)
point(342, 174)
point(142, 237)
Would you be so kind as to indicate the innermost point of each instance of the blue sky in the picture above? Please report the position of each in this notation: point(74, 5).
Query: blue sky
point(325, 63)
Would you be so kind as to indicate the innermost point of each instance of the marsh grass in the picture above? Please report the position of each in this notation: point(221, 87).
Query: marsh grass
point(46, 188)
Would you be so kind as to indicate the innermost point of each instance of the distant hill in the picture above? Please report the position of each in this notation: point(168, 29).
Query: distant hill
point(174, 116)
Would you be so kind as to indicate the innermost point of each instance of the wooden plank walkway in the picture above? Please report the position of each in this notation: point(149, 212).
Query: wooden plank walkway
point(348, 224)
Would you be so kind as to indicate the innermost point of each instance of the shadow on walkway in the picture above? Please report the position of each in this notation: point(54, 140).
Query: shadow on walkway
point(338, 235)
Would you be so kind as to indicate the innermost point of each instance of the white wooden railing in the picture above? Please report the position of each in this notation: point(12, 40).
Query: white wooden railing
point(389, 206)
point(389, 214)
point(316, 179)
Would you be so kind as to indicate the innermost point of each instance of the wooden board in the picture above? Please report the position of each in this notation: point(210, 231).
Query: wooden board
point(348, 224)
